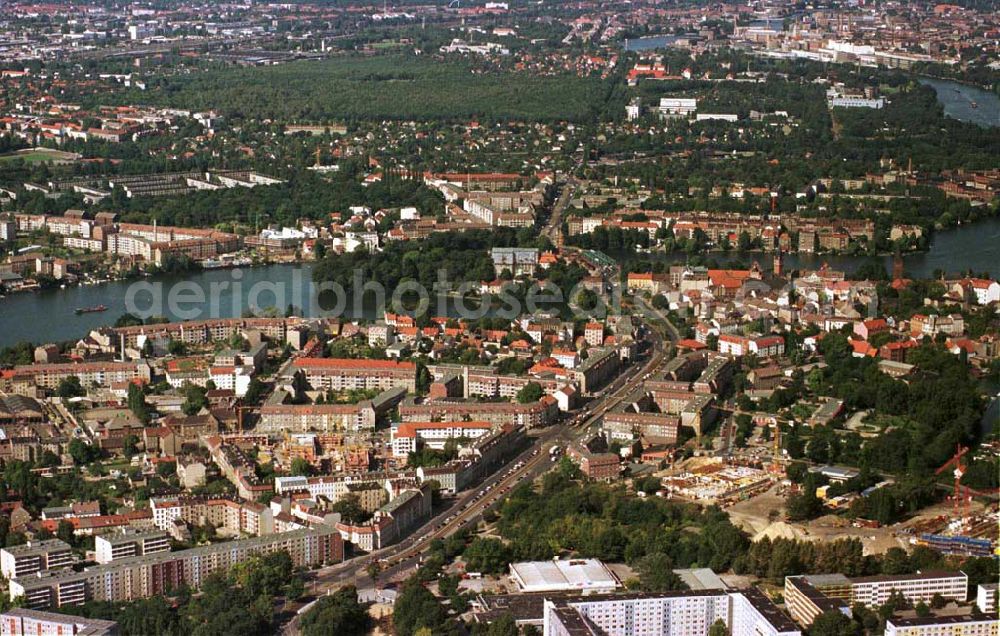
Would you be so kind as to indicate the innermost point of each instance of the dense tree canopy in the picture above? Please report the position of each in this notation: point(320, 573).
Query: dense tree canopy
point(339, 614)
point(385, 87)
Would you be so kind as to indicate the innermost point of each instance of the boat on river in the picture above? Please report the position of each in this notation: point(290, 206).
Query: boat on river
point(91, 310)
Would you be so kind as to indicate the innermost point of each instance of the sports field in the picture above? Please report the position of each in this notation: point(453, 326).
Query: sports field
point(40, 155)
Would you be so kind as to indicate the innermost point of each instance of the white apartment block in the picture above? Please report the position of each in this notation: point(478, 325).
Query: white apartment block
point(236, 379)
point(875, 590)
point(244, 517)
point(809, 596)
point(965, 625)
point(754, 615)
point(34, 557)
point(680, 615)
point(677, 106)
point(121, 545)
point(332, 487)
point(408, 436)
point(687, 613)
point(986, 597)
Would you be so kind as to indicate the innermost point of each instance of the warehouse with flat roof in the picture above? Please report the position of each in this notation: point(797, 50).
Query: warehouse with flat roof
point(580, 575)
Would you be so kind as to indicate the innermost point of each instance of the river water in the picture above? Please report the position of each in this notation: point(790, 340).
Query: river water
point(958, 100)
point(48, 316)
point(650, 42)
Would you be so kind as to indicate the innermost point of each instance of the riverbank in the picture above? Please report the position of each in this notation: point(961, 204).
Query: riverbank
point(48, 315)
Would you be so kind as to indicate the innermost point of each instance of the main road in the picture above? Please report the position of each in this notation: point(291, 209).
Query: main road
point(554, 224)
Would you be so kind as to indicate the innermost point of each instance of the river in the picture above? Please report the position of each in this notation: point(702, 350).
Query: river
point(651, 42)
point(48, 316)
point(973, 246)
point(958, 100)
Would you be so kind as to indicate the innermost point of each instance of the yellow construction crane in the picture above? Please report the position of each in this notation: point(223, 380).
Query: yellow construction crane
point(776, 464)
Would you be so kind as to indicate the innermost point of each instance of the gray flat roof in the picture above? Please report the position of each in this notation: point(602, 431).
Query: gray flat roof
point(701, 579)
point(563, 574)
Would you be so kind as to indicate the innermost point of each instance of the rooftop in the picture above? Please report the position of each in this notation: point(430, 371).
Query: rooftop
point(944, 620)
point(701, 579)
point(562, 575)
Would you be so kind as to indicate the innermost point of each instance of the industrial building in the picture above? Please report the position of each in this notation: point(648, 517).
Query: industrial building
point(588, 576)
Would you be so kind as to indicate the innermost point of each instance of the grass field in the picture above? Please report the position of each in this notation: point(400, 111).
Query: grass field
point(39, 155)
point(391, 86)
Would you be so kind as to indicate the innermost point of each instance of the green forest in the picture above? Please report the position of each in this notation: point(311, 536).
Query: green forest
point(463, 255)
point(304, 196)
point(385, 87)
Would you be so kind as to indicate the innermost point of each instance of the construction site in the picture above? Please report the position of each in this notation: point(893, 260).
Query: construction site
point(718, 483)
point(752, 488)
point(971, 527)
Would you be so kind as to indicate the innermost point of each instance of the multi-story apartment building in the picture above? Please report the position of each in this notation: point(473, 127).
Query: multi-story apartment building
point(145, 576)
point(516, 260)
point(34, 557)
point(652, 428)
point(876, 590)
point(26, 622)
point(510, 209)
point(598, 466)
point(528, 415)
point(391, 522)
point(811, 595)
point(102, 373)
point(409, 436)
point(129, 543)
point(487, 454)
point(326, 418)
point(963, 625)
point(491, 181)
point(8, 230)
point(341, 374)
point(593, 333)
point(205, 331)
point(761, 346)
point(381, 334)
point(154, 243)
point(753, 614)
point(238, 467)
point(986, 597)
point(806, 597)
point(599, 367)
point(485, 382)
point(245, 517)
point(336, 487)
point(687, 613)
point(677, 106)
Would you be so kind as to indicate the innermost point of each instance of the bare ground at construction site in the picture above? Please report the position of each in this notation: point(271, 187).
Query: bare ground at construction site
point(763, 516)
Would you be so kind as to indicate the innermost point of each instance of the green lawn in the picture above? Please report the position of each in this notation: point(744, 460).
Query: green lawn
point(36, 156)
point(395, 86)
